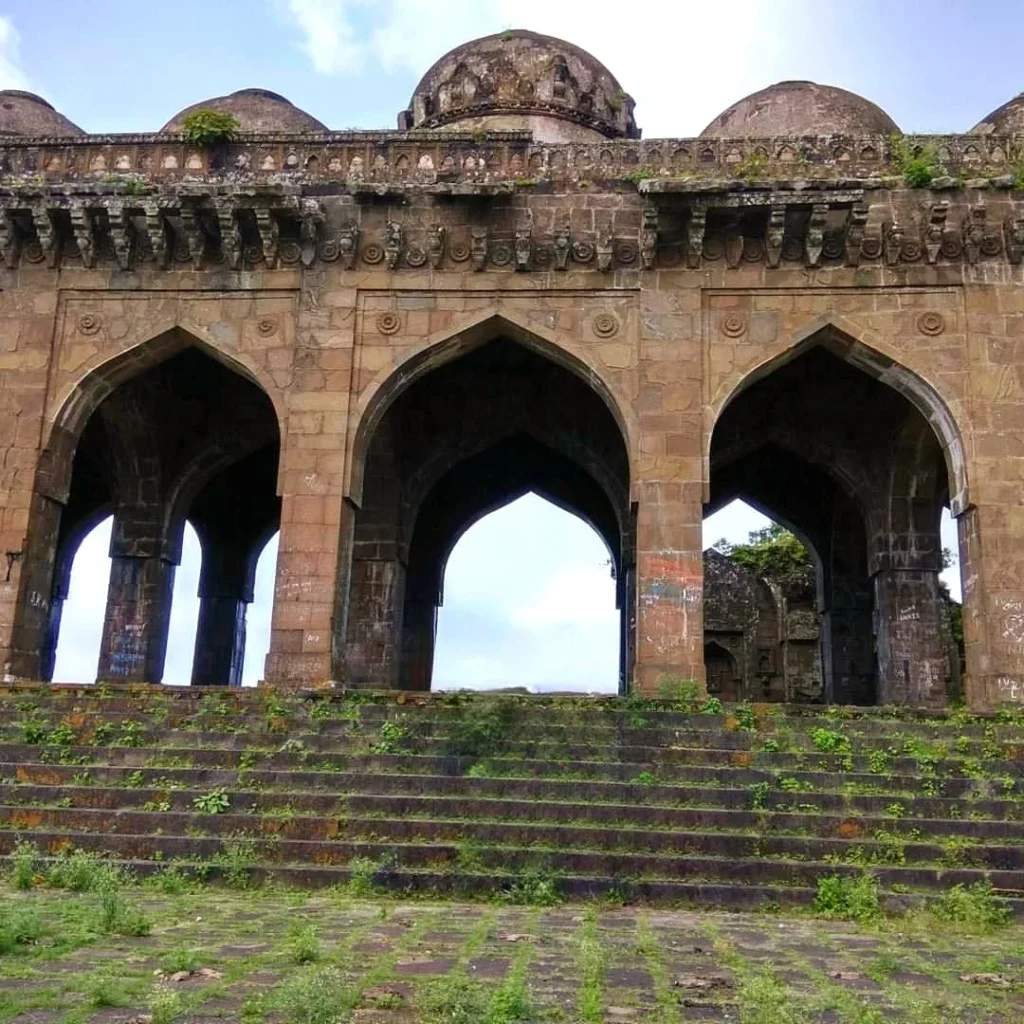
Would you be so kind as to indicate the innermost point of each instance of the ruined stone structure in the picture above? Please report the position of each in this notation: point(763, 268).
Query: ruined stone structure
point(762, 642)
point(371, 339)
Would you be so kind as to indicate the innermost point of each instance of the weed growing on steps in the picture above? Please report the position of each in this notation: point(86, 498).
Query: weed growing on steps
point(24, 858)
point(180, 960)
point(19, 929)
point(317, 995)
point(236, 861)
point(848, 898)
point(971, 908)
point(536, 887)
point(393, 739)
point(103, 988)
point(482, 727)
point(591, 964)
point(216, 801)
point(165, 1004)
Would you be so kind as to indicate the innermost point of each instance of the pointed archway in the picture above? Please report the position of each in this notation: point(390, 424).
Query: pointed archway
point(452, 440)
point(861, 457)
point(144, 437)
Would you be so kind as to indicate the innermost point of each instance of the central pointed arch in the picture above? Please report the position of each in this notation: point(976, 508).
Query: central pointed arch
point(462, 427)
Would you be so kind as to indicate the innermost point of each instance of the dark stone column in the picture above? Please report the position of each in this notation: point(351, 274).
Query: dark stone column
point(220, 640)
point(375, 622)
point(419, 633)
point(138, 616)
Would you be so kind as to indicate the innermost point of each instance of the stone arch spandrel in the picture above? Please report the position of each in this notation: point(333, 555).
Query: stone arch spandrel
point(78, 391)
point(943, 407)
point(407, 363)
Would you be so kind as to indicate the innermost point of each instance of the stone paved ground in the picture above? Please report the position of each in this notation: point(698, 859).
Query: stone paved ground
point(215, 955)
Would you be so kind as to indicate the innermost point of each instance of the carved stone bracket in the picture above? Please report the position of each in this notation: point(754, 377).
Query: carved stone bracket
point(649, 237)
point(524, 249)
point(561, 247)
point(695, 237)
point(49, 237)
point(854, 234)
point(479, 247)
point(195, 237)
point(230, 235)
point(774, 235)
point(311, 216)
point(934, 231)
point(84, 230)
point(605, 252)
point(973, 230)
point(270, 235)
point(120, 234)
point(393, 238)
point(435, 245)
point(892, 243)
point(815, 239)
point(1013, 238)
point(348, 246)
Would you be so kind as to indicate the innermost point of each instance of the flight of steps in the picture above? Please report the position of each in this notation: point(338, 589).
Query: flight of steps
point(637, 799)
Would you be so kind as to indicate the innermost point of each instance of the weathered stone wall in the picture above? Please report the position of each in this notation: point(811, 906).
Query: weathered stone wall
point(333, 293)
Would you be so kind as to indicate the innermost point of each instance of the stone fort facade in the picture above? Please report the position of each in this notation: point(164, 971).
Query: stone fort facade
point(370, 339)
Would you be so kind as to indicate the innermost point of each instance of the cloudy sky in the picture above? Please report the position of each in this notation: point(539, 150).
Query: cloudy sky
point(528, 596)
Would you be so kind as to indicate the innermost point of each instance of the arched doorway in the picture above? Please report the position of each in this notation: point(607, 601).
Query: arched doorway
point(723, 679)
point(462, 439)
point(528, 602)
point(183, 437)
point(829, 443)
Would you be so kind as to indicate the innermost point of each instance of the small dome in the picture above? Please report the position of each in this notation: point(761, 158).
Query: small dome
point(519, 79)
point(25, 113)
point(256, 110)
point(1005, 120)
point(800, 108)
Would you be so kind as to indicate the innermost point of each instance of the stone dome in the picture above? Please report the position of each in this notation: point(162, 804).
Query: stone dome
point(25, 113)
point(1005, 120)
point(800, 108)
point(519, 79)
point(256, 110)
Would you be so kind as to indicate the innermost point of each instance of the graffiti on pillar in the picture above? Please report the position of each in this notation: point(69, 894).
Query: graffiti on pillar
point(127, 652)
point(1009, 689)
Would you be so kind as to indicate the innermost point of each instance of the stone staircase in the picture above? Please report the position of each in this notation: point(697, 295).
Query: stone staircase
point(628, 797)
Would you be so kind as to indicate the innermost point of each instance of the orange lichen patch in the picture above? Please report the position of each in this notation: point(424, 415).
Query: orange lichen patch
point(331, 830)
point(269, 825)
point(327, 857)
point(850, 829)
point(77, 719)
point(741, 759)
point(732, 724)
point(277, 724)
point(21, 818)
point(59, 846)
point(38, 776)
point(1014, 751)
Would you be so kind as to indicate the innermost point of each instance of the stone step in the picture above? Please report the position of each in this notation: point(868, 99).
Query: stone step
point(513, 861)
point(294, 772)
point(891, 848)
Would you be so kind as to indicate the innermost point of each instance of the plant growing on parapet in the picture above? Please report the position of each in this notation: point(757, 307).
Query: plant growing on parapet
point(24, 858)
point(482, 727)
point(829, 741)
point(973, 908)
point(746, 719)
point(917, 166)
point(711, 706)
point(775, 554)
point(639, 174)
point(216, 801)
point(393, 738)
point(209, 127)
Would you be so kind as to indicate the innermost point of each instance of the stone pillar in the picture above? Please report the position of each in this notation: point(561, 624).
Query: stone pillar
point(419, 633)
point(220, 640)
point(670, 584)
point(375, 622)
point(137, 619)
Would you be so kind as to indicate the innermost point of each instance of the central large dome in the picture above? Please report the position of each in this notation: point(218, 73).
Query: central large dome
point(519, 79)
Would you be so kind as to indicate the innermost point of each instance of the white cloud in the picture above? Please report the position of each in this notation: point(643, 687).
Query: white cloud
point(11, 75)
point(328, 35)
point(572, 595)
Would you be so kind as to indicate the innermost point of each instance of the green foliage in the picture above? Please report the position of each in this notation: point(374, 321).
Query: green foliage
point(828, 741)
point(753, 167)
point(775, 554)
point(746, 719)
point(103, 988)
point(80, 871)
point(236, 861)
point(303, 944)
point(131, 735)
point(208, 127)
point(393, 737)
point(878, 762)
point(483, 727)
point(216, 801)
point(182, 959)
point(973, 908)
point(165, 1004)
point(454, 1000)
point(19, 928)
point(639, 174)
point(63, 735)
point(114, 914)
point(536, 887)
point(362, 873)
point(684, 693)
point(24, 858)
point(645, 778)
point(33, 731)
point(316, 995)
point(759, 795)
point(711, 706)
point(848, 898)
point(917, 166)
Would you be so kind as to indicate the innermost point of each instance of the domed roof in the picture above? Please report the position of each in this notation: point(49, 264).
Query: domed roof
point(25, 113)
point(521, 73)
point(1005, 120)
point(256, 110)
point(800, 108)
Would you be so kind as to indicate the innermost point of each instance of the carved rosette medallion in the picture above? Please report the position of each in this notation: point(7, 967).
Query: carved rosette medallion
point(931, 323)
point(415, 256)
point(734, 325)
point(89, 323)
point(605, 325)
point(266, 327)
point(459, 252)
point(583, 252)
point(329, 250)
point(289, 252)
point(389, 323)
point(501, 254)
point(626, 253)
point(372, 254)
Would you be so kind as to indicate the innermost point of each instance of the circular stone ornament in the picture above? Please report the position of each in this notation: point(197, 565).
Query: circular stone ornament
point(734, 325)
point(329, 250)
point(415, 256)
point(583, 252)
point(289, 252)
point(89, 323)
point(266, 326)
point(459, 252)
point(605, 325)
point(372, 253)
point(931, 323)
point(389, 323)
point(626, 253)
point(501, 254)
